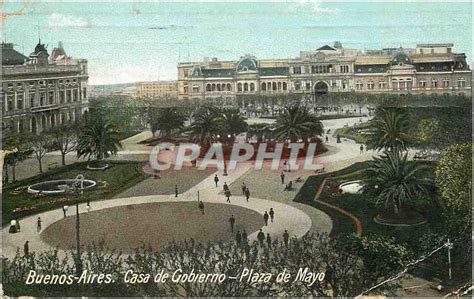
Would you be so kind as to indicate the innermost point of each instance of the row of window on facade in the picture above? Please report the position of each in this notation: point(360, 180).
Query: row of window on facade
point(40, 83)
point(42, 98)
point(407, 84)
point(318, 69)
point(30, 124)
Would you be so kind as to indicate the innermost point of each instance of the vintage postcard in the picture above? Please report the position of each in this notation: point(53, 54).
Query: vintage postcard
point(236, 149)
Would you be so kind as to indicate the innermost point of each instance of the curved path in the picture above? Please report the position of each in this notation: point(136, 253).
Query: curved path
point(287, 217)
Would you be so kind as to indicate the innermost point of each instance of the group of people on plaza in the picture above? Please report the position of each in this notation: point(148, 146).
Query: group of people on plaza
point(227, 193)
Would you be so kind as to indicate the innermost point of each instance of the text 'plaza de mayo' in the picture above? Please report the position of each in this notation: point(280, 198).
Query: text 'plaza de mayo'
point(41, 91)
point(426, 69)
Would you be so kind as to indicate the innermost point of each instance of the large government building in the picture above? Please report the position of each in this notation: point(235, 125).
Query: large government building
point(42, 90)
point(426, 69)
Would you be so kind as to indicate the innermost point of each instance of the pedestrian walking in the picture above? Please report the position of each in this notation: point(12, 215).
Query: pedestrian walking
point(269, 240)
point(244, 236)
point(361, 148)
point(227, 194)
point(201, 207)
point(88, 208)
point(286, 238)
point(65, 210)
point(265, 218)
point(243, 187)
point(247, 193)
point(26, 248)
point(216, 179)
point(38, 224)
point(225, 187)
point(282, 177)
point(175, 190)
point(272, 214)
point(247, 249)
point(327, 139)
point(238, 239)
point(261, 237)
point(232, 222)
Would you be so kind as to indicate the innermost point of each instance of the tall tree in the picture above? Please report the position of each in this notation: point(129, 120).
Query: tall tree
point(15, 150)
point(390, 131)
point(98, 138)
point(64, 138)
point(40, 145)
point(205, 125)
point(394, 180)
point(231, 122)
point(296, 122)
point(454, 179)
point(166, 120)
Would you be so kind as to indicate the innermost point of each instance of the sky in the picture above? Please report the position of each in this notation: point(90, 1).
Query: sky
point(141, 41)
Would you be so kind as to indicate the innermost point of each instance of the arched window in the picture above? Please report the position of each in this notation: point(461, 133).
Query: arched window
point(274, 86)
point(229, 87)
point(208, 87)
point(33, 125)
point(213, 88)
point(285, 86)
point(279, 85)
point(21, 126)
point(239, 87)
point(297, 85)
point(218, 87)
point(269, 86)
point(252, 87)
point(264, 86)
point(246, 87)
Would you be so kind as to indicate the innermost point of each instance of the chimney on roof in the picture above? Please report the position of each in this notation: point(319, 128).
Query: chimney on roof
point(60, 45)
point(337, 45)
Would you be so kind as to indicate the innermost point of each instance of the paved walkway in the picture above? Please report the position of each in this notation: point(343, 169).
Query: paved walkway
point(289, 217)
point(294, 220)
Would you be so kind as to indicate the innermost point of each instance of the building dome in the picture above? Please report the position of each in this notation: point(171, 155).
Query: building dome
point(247, 64)
point(400, 58)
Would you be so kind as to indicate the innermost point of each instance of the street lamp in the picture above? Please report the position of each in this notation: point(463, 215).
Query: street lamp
point(77, 189)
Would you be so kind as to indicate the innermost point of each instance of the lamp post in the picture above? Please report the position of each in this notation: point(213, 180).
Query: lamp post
point(77, 189)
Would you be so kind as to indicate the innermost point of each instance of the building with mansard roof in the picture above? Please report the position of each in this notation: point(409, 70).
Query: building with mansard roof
point(426, 69)
point(41, 91)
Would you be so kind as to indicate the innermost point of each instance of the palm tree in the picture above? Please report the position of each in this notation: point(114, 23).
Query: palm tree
point(205, 125)
point(390, 131)
point(231, 122)
point(394, 180)
point(166, 120)
point(98, 138)
point(296, 122)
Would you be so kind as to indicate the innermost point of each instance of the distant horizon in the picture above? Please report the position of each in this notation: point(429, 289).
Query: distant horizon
point(141, 41)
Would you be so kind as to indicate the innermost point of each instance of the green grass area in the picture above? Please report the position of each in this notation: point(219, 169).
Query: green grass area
point(120, 176)
point(355, 133)
point(366, 208)
point(415, 238)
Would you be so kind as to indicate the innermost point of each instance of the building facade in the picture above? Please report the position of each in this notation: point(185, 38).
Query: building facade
point(41, 91)
point(158, 89)
point(426, 69)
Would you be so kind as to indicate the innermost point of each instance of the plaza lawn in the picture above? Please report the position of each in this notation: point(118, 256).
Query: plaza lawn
point(119, 177)
point(154, 224)
point(353, 133)
point(365, 209)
